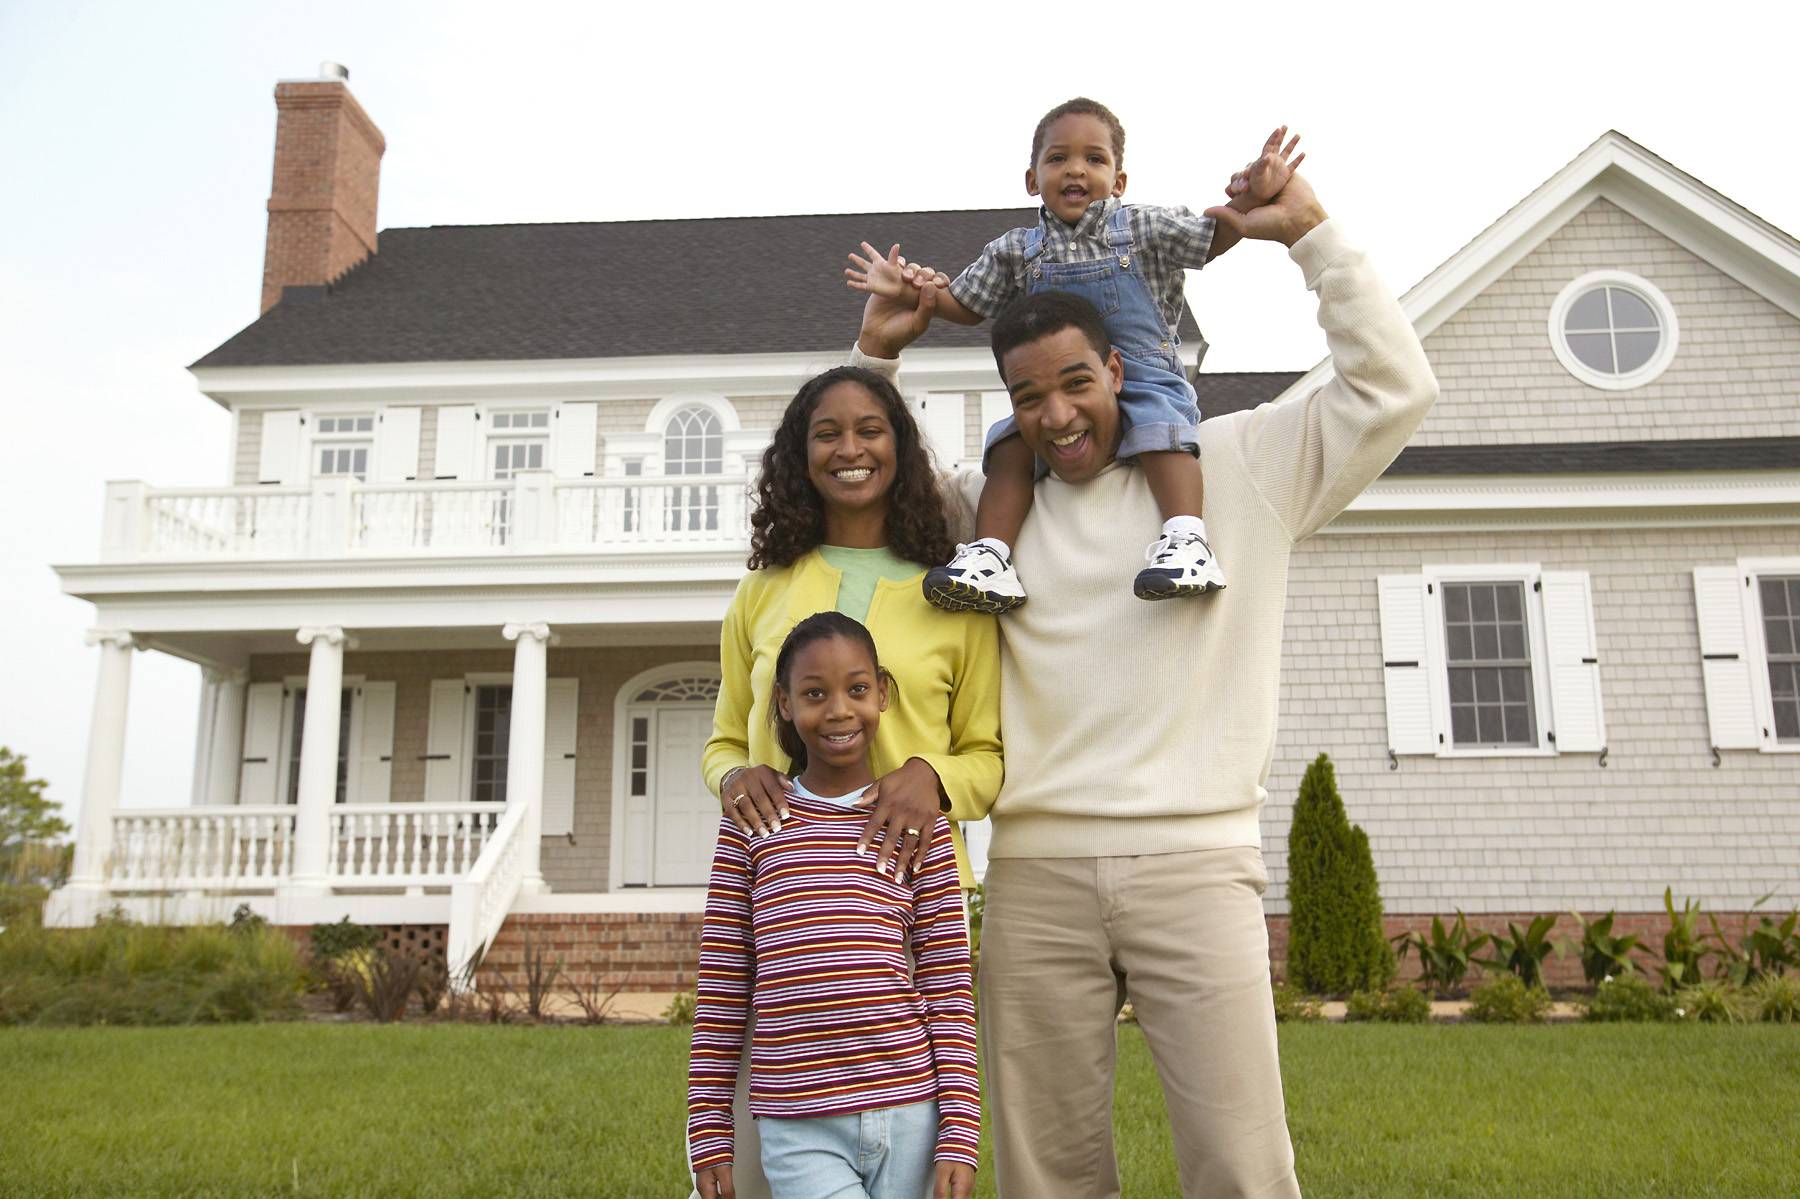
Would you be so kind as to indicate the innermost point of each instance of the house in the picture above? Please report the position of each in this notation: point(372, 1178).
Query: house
point(458, 601)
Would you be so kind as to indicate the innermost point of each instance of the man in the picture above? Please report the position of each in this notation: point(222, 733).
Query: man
point(1126, 857)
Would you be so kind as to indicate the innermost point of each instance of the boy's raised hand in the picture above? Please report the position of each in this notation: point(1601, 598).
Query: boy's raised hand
point(889, 275)
point(1264, 176)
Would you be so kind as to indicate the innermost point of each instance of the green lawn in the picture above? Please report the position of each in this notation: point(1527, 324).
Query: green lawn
point(312, 1109)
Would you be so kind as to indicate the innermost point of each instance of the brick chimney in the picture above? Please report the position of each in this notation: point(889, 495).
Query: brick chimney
point(327, 170)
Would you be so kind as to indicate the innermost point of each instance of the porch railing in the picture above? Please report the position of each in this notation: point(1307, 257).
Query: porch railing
point(370, 847)
point(535, 512)
point(479, 903)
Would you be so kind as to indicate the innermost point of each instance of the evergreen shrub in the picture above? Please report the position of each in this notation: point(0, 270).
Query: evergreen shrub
point(1335, 941)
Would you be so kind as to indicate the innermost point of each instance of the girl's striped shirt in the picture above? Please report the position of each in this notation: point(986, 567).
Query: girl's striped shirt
point(802, 925)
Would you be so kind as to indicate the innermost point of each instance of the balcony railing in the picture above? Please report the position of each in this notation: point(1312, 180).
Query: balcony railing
point(342, 518)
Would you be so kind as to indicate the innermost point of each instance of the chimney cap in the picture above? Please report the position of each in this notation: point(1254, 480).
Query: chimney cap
point(334, 70)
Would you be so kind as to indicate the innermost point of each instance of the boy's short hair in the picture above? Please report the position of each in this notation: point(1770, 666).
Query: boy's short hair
point(1041, 314)
point(1081, 106)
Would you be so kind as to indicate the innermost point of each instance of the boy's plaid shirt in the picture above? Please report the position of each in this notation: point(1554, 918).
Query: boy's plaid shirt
point(1168, 240)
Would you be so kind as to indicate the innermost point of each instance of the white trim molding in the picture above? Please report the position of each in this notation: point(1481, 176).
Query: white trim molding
point(1669, 331)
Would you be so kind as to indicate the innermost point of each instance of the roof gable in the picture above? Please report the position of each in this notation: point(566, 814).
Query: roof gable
point(1667, 199)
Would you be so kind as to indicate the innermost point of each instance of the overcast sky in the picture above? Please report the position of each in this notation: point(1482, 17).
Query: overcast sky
point(136, 140)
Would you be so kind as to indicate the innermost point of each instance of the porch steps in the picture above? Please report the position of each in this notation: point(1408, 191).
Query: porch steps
point(627, 951)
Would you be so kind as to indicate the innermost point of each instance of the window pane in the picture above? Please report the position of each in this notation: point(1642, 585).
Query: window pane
point(1490, 728)
point(1512, 640)
point(1593, 349)
point(1780, 635)
point(1487, 685)
point(1456, 602)
point(1462, 687)
point(1589, 312)
point(1512, 686)
point(1481, 602)
point(1630, 312)
point(1487, 642)
point(1774, 597)
point(1508, 600)
point(1462, 725)
point(1518, 724)
point(1635, 349)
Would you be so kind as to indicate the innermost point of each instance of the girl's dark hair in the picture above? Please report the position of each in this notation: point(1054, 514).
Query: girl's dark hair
point(789, 517)
point(820, 626)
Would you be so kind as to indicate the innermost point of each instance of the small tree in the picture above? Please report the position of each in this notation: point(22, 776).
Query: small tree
point(1335, 941)
point(27, 817)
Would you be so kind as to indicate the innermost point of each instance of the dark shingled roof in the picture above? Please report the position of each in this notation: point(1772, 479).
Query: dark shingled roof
point(1237, 391)
point(1601, 457)
point(728, 285)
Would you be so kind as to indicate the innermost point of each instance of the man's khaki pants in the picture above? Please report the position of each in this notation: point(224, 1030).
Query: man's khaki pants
point(1064, 942)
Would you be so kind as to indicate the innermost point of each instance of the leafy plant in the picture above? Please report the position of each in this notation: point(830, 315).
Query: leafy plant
point(1776, 998)
point(1335, 941)
point(433, 984)
point(1628, 999)
point(245, 918)
point(538, 973)
point(1714, 1002)
point(1522, 953)
point(1508, 999)
point(1683, 949)
point(1602, 954)
point(1769, 948)
point(335, 940)
point(1444, 955)
point(1402, 1005)
point(592, 997)
point(384, 979)
point(1293, 1006)
point(681, 1008)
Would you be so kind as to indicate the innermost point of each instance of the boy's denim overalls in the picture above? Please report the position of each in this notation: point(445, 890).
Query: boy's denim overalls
point(1157, 408)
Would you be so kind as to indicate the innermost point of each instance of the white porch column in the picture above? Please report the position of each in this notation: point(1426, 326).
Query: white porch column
point(318, 758)
point(105, 760)
point(225, 741)
point(525, 741)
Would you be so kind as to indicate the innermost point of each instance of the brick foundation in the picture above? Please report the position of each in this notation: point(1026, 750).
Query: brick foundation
point(628, 951)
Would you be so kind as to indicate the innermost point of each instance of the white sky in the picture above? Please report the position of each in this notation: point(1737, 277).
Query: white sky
point(136, 140)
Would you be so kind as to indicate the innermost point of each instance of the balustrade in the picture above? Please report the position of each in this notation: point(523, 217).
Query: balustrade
point(408, 844)
point(239, 848)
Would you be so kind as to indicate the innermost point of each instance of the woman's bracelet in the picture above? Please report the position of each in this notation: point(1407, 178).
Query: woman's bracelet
point(725, 779)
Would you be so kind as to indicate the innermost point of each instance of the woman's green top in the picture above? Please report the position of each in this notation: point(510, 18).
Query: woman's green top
point(861, 568)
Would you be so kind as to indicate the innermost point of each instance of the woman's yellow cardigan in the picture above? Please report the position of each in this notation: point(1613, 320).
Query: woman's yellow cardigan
point(943, 708)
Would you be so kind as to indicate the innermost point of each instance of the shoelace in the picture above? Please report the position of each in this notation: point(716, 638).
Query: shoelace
point(1169, 542)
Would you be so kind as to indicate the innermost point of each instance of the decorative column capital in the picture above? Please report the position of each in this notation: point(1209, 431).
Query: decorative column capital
point(331, 633)
point(117, 638)
point(221, 674)
point(536, 628)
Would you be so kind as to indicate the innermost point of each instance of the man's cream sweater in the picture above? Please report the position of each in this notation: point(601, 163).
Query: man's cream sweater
point(1141, 728)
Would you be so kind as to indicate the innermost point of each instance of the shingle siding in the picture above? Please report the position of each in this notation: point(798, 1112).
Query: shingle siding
point(1540, 833)
point(1736, 372)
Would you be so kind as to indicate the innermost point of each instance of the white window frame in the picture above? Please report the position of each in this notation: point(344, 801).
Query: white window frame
point(474, 681)
point(341, 439)
point(291, 686)
point(492, 434)
point(1646, 291)
point(1530, 574)
point(1757, 647)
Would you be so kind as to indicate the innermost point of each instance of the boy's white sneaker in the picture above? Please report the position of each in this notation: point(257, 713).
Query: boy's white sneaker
point(1180, 564)
point(978, 579)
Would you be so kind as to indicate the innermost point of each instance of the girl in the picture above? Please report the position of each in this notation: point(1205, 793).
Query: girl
point(862, 1072)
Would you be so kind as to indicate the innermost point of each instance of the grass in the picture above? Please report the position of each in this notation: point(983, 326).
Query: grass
point(309, 1109)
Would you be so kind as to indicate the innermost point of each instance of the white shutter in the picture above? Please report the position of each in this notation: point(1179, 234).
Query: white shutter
point(1574, 661)
point(456, 442)
point(282, 458)
point(397, 445)
point(942, 424)
point(1725, 658)
point(444, 742)
point(1405, 664)
point(577, 437)
point(375, 748)
point(262, 744)
point(996, 406)
point(559, 756)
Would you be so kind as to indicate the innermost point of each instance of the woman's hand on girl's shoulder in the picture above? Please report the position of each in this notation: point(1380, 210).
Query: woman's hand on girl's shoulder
point(904, 806)
point(755, 799)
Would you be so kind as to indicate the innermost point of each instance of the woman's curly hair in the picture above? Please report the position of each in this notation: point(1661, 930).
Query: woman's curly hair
point(789, 518)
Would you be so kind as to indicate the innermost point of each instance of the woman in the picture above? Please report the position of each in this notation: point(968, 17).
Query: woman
point(848, 517)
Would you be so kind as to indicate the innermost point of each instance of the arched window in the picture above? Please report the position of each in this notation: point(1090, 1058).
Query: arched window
point(693, 444)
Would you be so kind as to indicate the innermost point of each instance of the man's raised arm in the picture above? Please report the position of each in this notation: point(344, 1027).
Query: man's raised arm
point(1312, 455)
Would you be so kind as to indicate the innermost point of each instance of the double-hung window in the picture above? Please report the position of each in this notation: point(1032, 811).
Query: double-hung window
point(1749, 618)
point(1490, 661)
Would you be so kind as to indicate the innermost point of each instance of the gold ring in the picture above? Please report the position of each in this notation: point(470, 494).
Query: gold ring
point(912, 832)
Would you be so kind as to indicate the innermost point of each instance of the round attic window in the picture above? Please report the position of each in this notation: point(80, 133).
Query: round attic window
point(1613, 330)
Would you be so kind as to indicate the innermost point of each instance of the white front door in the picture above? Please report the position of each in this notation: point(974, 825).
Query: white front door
point(686, 814)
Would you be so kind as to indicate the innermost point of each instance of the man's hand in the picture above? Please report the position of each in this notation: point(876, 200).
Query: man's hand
point(755, 798)
point(954, 1181)
point(1264, 176)
point(714, 1182)
point(904, 813)
point(1286, 218)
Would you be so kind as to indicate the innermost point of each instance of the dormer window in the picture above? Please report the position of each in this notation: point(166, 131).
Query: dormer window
point(1613, 330)
point(341, 446)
